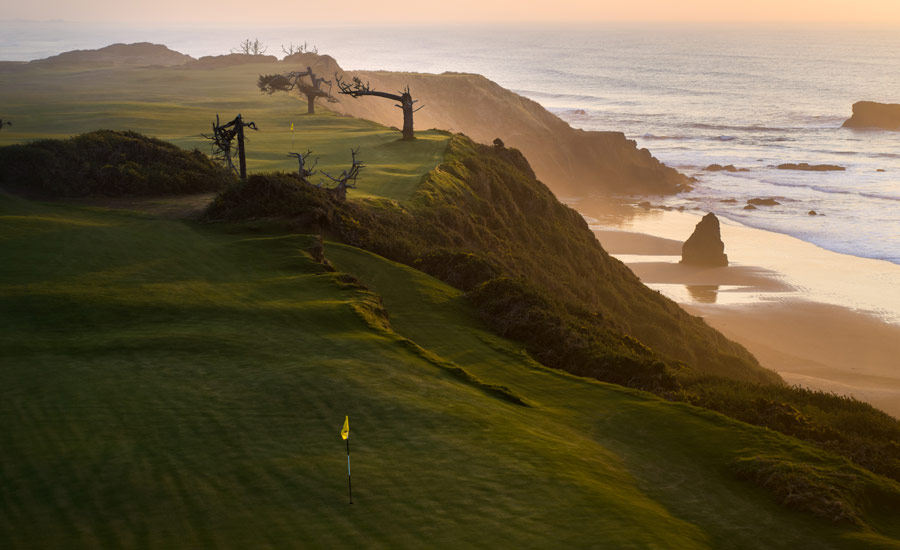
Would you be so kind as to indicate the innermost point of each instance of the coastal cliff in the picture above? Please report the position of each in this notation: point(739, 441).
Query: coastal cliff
point(869, 114)
point(482, 222)
point(572, 162)
point(569, 160)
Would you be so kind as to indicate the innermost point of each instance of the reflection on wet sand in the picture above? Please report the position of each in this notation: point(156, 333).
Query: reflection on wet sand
point(823, 320)
point(703, 294)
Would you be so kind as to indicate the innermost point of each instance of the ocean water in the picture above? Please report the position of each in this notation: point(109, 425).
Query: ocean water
point(754, 97)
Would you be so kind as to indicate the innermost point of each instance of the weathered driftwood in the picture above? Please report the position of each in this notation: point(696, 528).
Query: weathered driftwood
point(356, 88)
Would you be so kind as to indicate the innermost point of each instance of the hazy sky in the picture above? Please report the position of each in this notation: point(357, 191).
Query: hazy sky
point(405, 11)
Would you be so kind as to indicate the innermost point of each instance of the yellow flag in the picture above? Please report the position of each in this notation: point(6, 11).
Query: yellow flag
point(292, 126)
point(345, 431)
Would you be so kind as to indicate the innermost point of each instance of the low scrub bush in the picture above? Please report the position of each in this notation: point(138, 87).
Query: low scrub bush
point(516, 309)
point(463, 270)
point(273, 195)
point(837, 496)
point(109, 164)
point(851, 428)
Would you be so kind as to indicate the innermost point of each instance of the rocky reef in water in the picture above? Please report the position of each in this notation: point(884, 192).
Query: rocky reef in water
point(869, 114)
point(811, 167)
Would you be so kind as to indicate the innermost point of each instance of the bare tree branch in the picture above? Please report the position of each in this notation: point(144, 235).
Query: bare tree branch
point(222, 137)
point(302, 48)
point(250, 47)
point(356, 88)
point(347, 176)
point(295, 81)
point(305, 172)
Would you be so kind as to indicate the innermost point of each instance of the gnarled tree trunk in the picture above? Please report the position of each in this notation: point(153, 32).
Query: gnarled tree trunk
point(356, 88)
point(406, 103)
point(286, 82)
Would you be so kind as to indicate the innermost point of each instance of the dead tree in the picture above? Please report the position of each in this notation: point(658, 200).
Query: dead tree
point(250, 47)
point(347, 179)
point(304, 172)
point(222, 138)
point(302, 48)
point(272, 83)
point(356, 88)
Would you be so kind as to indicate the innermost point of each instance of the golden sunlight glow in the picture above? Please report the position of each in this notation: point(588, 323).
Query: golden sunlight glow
point(405, 11)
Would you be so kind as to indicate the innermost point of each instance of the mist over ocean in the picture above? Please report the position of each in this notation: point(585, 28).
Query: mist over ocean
point(694, 95)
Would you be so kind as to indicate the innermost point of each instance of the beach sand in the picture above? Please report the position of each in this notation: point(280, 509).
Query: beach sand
point(817, 346)
point(798, 308)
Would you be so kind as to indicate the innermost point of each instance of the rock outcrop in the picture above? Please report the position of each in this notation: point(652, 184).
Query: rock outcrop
point(726, 168)
point(705, 247)
point(810, 167)
point(136, 54)
point(763, 202)
point(869, 114)
point(229, 60)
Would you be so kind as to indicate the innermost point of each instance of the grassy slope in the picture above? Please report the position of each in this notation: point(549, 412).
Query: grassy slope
point(167, 385)
point(481, 215)
point(177, 105)
point(485, 201)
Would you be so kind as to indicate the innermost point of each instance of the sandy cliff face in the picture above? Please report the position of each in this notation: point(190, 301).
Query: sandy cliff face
point(869, 114)
point(571, 161)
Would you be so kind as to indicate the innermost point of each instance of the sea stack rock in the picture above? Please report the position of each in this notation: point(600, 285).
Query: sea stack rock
point(869, 114)
point(705, 246)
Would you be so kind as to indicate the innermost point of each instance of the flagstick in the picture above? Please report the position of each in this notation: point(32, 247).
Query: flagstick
point(349, 484)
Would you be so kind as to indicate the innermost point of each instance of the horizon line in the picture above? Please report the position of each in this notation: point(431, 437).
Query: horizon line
point(481, 22)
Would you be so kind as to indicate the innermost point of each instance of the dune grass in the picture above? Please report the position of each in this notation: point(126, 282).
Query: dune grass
point(170, 385)
point(179, 104)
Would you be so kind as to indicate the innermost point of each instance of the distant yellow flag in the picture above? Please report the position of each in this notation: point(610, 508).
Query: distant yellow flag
point(292, 126)
point(345, 431)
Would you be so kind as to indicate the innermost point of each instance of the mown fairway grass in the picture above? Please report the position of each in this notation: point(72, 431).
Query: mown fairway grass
point(179, 104)
point(172, 385)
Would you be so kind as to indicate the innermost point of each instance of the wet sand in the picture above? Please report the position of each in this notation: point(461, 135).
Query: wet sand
point(793, 322)
point(817, 346)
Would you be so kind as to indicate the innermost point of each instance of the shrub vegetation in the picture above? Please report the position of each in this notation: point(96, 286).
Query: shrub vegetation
point(107, 163)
